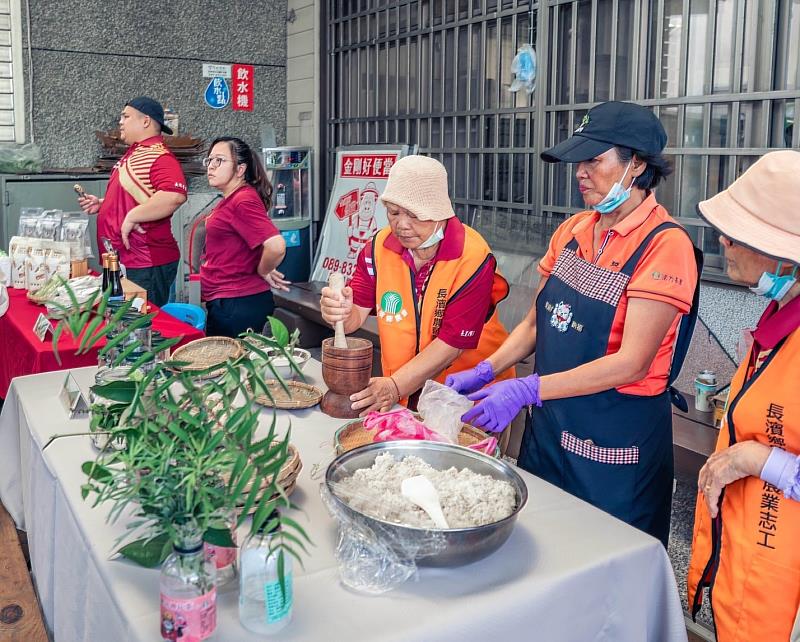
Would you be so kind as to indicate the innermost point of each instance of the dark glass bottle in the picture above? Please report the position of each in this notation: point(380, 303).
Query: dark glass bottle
point(105, 270)
point(115, 279)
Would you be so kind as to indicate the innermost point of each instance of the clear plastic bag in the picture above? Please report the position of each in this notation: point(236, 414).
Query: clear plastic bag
point(524, 69)
point(373, 557)
point(441, 409)
point(20, 159)
point(75, 232)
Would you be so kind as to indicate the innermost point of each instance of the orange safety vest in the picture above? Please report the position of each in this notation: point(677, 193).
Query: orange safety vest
point(406, 326)
point(749, 555)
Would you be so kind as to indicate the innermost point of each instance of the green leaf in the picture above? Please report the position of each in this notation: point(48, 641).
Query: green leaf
point(263, 512)
point(279, 332)
point(56, 336)
point(219, 537)
point(148, 552)
point(122, 391)
point(95, 471)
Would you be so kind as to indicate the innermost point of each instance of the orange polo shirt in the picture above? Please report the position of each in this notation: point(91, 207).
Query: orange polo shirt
point(666, 272)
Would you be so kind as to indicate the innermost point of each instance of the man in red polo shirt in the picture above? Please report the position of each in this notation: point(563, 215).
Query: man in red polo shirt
point(146, 186)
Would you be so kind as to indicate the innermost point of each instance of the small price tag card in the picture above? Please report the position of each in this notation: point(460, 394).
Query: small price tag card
point(42, 327)
point(73, 399)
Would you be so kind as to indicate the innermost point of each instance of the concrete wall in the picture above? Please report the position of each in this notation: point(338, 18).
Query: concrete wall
point(90, 56)
point(303, 51)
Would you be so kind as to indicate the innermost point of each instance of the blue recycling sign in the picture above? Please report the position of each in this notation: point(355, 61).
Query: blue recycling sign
point(218, 94)
point(292, 238)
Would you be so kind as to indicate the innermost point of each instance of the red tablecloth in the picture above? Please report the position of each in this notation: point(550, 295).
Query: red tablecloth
point(21, 352)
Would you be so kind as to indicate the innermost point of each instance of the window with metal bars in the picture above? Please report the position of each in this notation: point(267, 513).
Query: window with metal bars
point(723, 76)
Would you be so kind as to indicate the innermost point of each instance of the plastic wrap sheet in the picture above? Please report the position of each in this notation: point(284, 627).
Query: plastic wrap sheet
point(374, 557)
point(441, 409)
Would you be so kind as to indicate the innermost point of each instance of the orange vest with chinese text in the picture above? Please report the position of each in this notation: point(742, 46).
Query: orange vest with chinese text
point(750, 554)
point(406, 326)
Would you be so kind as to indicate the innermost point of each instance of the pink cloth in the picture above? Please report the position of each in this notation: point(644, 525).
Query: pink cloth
point(403, 424)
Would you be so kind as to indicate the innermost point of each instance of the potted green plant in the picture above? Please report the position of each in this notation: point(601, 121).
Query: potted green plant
point(193, 453)
point(285, 360)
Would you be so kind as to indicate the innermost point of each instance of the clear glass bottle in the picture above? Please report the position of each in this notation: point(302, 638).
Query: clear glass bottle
point(188, 590)
point(224, 557)
point(264, 607)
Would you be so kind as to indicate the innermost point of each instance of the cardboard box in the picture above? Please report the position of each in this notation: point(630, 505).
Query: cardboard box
point(78, 268)
point(132, 291)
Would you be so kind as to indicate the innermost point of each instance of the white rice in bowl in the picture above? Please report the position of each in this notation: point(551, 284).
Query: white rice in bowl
point(468, 499)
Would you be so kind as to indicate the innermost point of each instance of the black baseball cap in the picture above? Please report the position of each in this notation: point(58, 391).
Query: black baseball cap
point(152, 108)
point(608, 125)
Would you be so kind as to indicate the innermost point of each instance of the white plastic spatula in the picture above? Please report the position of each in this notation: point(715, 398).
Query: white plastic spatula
point(422, 492)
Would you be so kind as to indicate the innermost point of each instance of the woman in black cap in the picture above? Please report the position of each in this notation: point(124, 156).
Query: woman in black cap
point(614, 284)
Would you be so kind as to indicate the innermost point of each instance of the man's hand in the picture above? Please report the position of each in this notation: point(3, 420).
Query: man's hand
point(744, 459)
point(89, 203)
point(336, 306)
point(276, 281)
point(127, 227)
point(380, 395)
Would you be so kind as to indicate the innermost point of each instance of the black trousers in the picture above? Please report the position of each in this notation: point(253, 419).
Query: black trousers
point(230, 317)
point(156, 280)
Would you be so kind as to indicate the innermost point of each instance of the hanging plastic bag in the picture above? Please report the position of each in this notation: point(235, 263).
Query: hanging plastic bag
point(524, 69)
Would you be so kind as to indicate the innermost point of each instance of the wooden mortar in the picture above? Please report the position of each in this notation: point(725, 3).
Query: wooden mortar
point(345, 371)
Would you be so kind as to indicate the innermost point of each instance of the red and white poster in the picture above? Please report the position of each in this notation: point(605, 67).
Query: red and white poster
point(242, 87)
point(354, 211)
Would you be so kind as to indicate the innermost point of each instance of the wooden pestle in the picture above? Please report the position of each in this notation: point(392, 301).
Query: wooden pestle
point(336, 283)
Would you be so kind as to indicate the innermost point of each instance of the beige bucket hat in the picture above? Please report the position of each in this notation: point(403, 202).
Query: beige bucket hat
point(761, 209)
point(419, 185)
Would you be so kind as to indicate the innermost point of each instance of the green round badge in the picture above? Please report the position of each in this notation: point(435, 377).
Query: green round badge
point(391, 302)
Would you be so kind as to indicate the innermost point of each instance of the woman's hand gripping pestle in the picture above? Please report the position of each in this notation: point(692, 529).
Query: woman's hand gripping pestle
point(336, 283)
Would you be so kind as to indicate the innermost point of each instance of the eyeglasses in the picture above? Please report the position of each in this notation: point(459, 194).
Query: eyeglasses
point(215, 161)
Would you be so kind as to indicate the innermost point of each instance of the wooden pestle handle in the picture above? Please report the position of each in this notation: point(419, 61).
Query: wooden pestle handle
point(336, 283)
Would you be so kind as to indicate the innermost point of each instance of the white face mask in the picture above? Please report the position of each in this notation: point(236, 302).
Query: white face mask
point(773, 286)
point(433, 239)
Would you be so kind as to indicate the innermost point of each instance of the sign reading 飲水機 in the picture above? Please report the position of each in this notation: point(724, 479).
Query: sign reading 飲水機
point(229, 84)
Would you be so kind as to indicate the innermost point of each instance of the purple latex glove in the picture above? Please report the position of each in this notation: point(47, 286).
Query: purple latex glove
point(471, 380)
point(500, 403)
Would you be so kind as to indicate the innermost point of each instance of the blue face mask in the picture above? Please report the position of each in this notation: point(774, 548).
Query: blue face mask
point(433, 239)
point(616, 196)
point(773, 286)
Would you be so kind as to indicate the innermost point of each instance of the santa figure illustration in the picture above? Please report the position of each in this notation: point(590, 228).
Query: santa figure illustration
point(361, 225)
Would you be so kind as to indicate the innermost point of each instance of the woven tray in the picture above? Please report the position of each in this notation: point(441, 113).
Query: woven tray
point(353, 434)
point(287, 478)
point(208, 352)
point(302, 395)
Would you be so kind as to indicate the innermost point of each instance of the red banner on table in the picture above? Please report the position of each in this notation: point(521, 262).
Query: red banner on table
point(242, 82)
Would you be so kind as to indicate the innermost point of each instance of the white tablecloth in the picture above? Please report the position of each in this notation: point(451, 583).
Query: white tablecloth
point(569, 571)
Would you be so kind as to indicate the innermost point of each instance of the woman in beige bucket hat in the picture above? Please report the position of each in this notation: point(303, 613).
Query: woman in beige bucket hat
point(747, 520)
point(432, 283)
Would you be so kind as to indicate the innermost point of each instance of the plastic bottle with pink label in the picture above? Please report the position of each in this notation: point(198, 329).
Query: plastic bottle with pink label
point(188, 591)
point(224, 557)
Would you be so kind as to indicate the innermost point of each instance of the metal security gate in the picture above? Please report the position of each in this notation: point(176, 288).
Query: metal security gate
point(723, 76)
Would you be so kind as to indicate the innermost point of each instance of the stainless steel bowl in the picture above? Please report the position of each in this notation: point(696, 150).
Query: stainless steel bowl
point(463, 545)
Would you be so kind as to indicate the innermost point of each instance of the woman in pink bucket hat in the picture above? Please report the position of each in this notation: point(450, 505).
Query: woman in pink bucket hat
point(432, 283)
point(746, 544)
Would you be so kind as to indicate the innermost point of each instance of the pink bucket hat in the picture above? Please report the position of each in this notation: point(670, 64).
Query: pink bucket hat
point(419, 185)
point(761, 208)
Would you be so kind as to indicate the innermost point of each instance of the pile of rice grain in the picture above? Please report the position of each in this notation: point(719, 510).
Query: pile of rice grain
point(468, 499)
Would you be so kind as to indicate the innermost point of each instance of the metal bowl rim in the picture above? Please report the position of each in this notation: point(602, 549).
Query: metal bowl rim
point(382, 445)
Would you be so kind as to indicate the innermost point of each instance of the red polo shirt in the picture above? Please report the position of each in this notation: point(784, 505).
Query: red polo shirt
point(464, 315)
point(156, 170)
point(235, 233)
